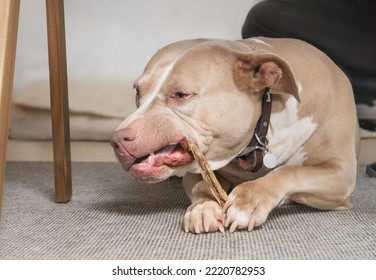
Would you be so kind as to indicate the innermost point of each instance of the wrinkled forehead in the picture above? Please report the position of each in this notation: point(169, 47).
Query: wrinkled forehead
point(185, 58)
point(164, 59)
point(155, 74)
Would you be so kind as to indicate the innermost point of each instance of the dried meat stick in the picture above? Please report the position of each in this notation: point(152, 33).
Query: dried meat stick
point(208, 175)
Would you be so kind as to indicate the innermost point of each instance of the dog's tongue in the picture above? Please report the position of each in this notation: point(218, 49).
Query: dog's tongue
point(172, 155)
point(158, 164)
point(158, 158)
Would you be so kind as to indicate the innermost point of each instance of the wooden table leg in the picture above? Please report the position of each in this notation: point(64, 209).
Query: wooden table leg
point(59, 100)
point(9, 12)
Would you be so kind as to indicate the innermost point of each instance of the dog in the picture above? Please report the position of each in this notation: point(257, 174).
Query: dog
point(275, 119)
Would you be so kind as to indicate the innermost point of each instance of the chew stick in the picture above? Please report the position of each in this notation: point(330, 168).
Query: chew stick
point(208, 175)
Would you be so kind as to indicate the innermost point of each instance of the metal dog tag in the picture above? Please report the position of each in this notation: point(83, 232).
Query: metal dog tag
point(269, 160)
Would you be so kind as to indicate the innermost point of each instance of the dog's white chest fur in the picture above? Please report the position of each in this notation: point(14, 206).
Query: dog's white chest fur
point(287, 134)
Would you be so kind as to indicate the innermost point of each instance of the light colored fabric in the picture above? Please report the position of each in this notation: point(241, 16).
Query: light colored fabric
point(115, 99)
point(96, 109)
point(367, 134)
point(113, 216)
point(34, 124)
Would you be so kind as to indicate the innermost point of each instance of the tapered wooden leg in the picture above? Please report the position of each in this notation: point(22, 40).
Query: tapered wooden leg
point(9, 12)
point(59, 99)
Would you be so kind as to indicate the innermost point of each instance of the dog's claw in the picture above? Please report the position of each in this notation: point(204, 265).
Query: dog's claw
point(196, 228)
point(233, 227)
point(186, 223)
point(251, 224)
point(204, 217)
point(228, 221)
point(221, 228)
point(206, 226)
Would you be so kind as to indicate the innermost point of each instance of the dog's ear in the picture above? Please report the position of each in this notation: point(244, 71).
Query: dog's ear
point(260, 69)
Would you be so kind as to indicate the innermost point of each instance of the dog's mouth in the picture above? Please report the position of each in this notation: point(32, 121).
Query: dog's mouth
point(158, 165)
point(172, 155)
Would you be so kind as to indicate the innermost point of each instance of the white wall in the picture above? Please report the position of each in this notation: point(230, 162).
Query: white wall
point(115, 39)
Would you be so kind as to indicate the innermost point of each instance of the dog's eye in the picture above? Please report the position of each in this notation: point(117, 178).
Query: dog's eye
point(181, 95)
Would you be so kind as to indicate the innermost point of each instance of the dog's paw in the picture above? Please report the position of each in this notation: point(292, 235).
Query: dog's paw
point(248, 206)
point(204, 217)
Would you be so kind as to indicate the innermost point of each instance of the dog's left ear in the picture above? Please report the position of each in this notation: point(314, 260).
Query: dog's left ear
point(260, 70)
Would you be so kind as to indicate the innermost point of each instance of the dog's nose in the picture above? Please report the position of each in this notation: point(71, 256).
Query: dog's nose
point(121, 136)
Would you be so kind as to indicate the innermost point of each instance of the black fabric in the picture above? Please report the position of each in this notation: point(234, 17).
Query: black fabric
point(344, 29)
point(371, 170)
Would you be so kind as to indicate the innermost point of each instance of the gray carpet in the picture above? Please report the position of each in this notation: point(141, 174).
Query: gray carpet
point(112, 216)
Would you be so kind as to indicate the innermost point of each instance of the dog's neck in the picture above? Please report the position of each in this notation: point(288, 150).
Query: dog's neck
point(257, 151)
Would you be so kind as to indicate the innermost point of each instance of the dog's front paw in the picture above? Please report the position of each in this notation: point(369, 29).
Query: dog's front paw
point(204, 217)
point(249, 205)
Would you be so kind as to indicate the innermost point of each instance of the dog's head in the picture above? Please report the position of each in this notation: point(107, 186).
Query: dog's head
point(208, 91)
